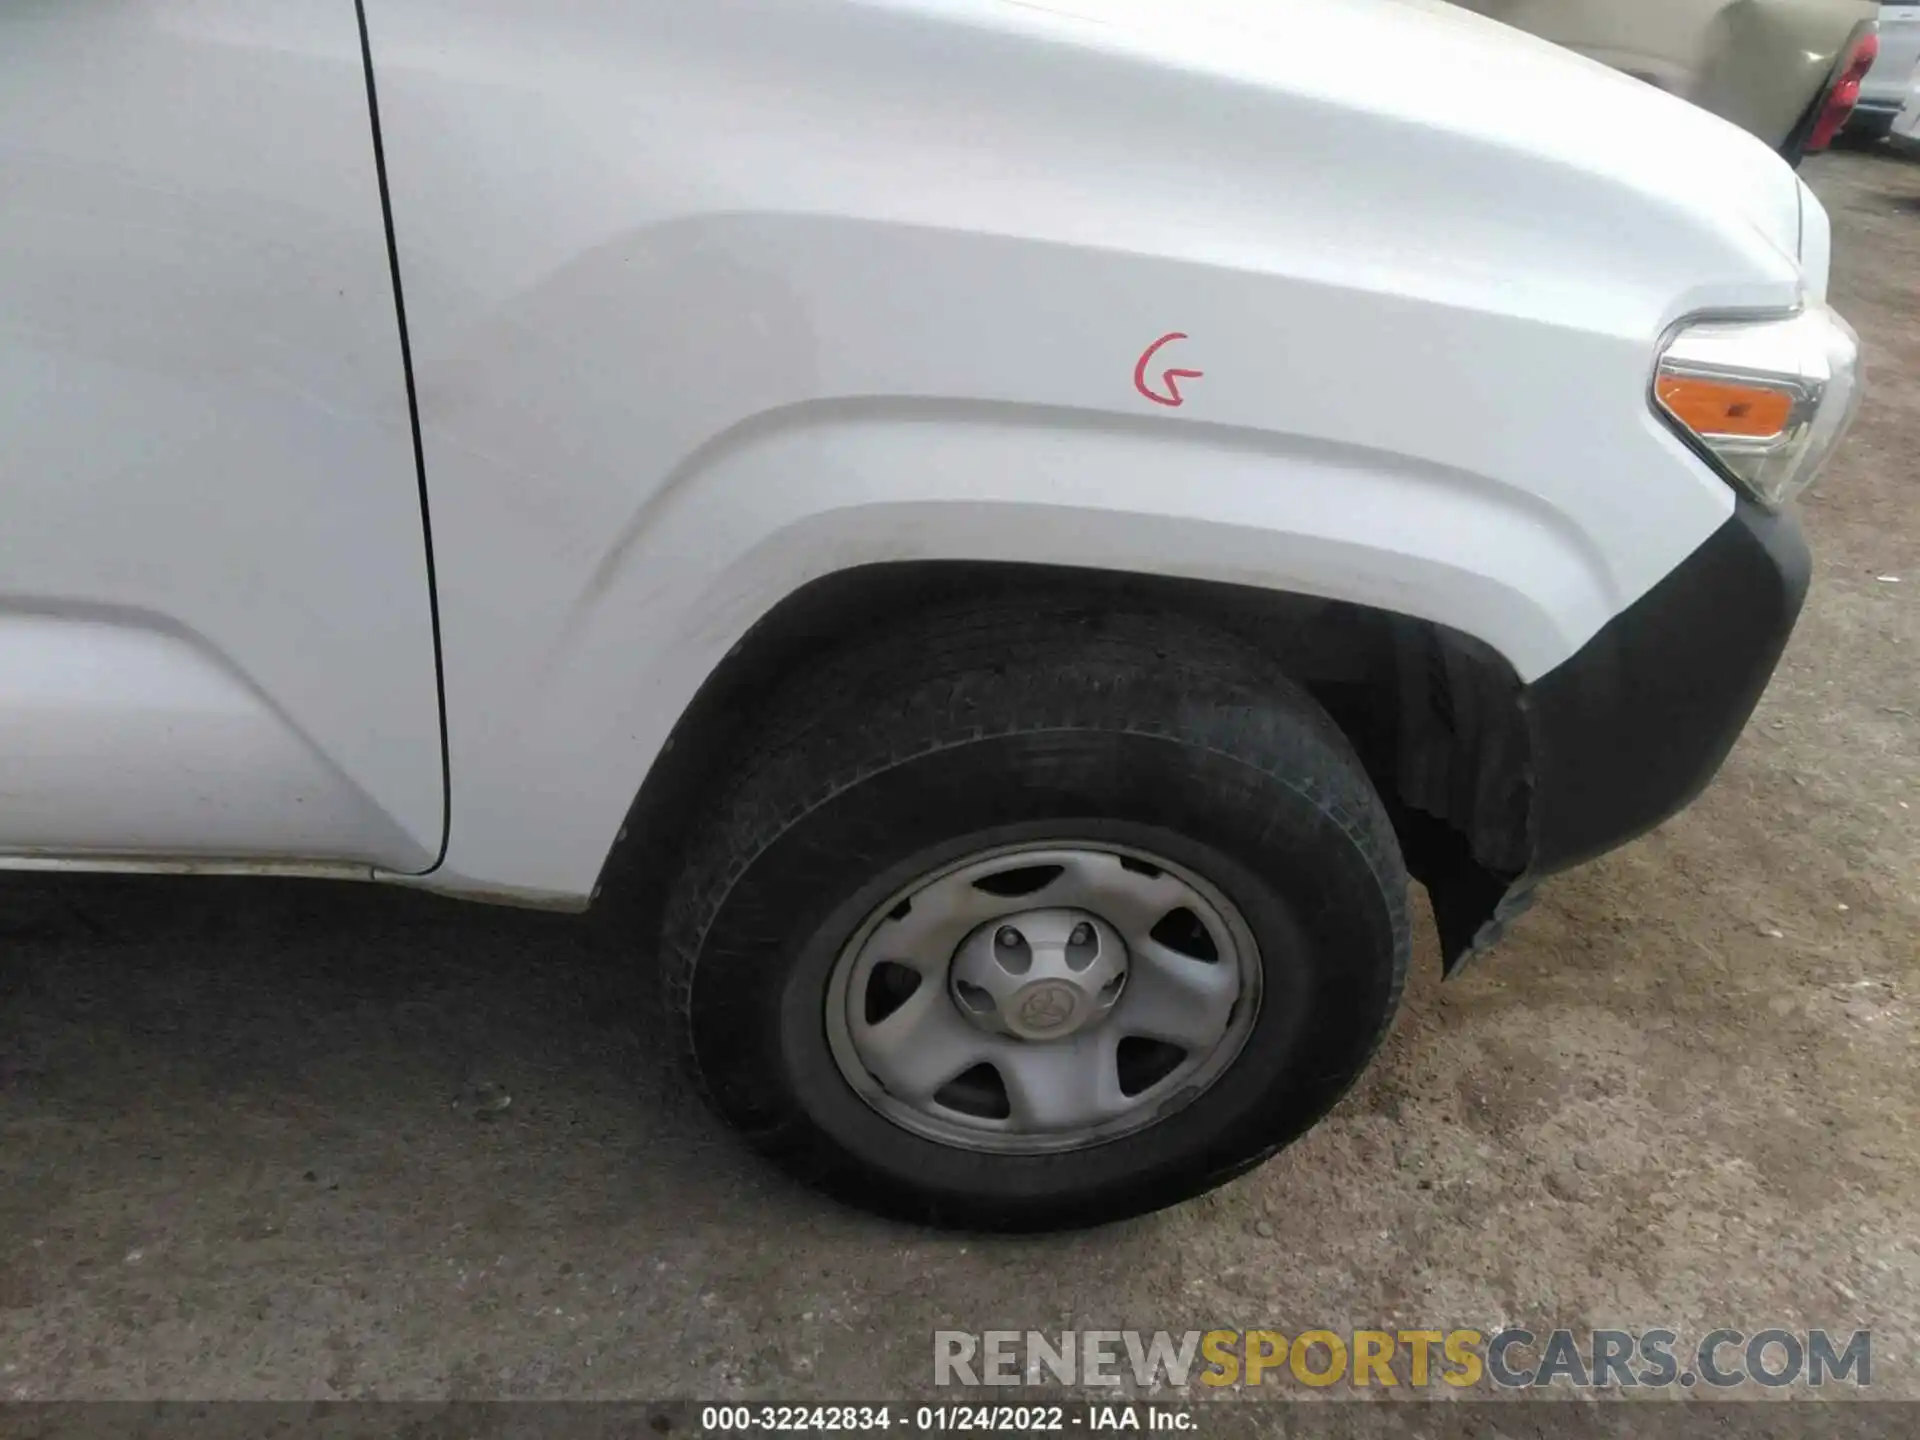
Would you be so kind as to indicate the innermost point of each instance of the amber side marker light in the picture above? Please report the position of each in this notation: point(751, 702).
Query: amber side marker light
point(1766, 401)
point(1721, 407)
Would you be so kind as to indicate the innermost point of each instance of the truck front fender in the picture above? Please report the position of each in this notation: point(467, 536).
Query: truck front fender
point(808, 491)
point(705, 302)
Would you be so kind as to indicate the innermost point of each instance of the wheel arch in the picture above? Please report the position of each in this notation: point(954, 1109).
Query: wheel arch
point(1434, 714)
point(584, 682)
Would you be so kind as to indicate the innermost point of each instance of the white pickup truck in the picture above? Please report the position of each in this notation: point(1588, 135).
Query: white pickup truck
point(1017, 525)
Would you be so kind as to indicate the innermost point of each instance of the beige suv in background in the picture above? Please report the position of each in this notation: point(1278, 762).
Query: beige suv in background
point(1787, 70)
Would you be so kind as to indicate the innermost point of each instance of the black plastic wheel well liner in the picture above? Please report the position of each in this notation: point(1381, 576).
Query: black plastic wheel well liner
point(1435, 715)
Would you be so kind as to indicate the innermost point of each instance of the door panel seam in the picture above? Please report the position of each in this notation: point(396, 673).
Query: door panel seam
point(419, 447)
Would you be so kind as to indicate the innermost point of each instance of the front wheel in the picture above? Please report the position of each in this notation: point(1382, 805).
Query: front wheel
point(1019, 923)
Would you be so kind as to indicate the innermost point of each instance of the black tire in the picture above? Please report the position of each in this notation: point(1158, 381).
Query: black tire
point(985, 725)
point(1869, 129)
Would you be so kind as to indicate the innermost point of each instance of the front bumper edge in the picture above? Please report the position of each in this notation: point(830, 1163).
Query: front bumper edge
point(1630, 728)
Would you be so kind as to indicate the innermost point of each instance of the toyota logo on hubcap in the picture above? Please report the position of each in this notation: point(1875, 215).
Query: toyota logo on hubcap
point(1046, 1006)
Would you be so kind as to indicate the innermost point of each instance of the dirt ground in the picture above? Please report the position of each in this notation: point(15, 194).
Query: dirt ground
point(251, 1143)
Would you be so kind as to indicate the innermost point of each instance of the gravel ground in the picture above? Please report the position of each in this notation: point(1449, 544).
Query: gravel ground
point(252, 1141)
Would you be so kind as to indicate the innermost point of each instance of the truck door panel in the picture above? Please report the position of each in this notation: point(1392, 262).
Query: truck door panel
point(215, 619)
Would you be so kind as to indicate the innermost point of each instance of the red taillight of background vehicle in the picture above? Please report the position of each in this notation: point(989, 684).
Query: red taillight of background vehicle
point(1845, 93)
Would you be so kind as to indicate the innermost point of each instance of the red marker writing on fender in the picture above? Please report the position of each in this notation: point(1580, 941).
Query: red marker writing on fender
point(1169, 379)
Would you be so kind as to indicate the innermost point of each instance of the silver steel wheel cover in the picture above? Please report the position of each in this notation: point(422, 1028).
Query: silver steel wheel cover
point(1019, 975)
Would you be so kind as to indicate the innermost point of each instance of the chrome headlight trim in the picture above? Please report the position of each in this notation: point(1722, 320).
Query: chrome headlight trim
point(1809, 357)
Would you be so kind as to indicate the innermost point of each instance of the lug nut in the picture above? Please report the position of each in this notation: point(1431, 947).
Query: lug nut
point(1082, 934)
point(1008, 937)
